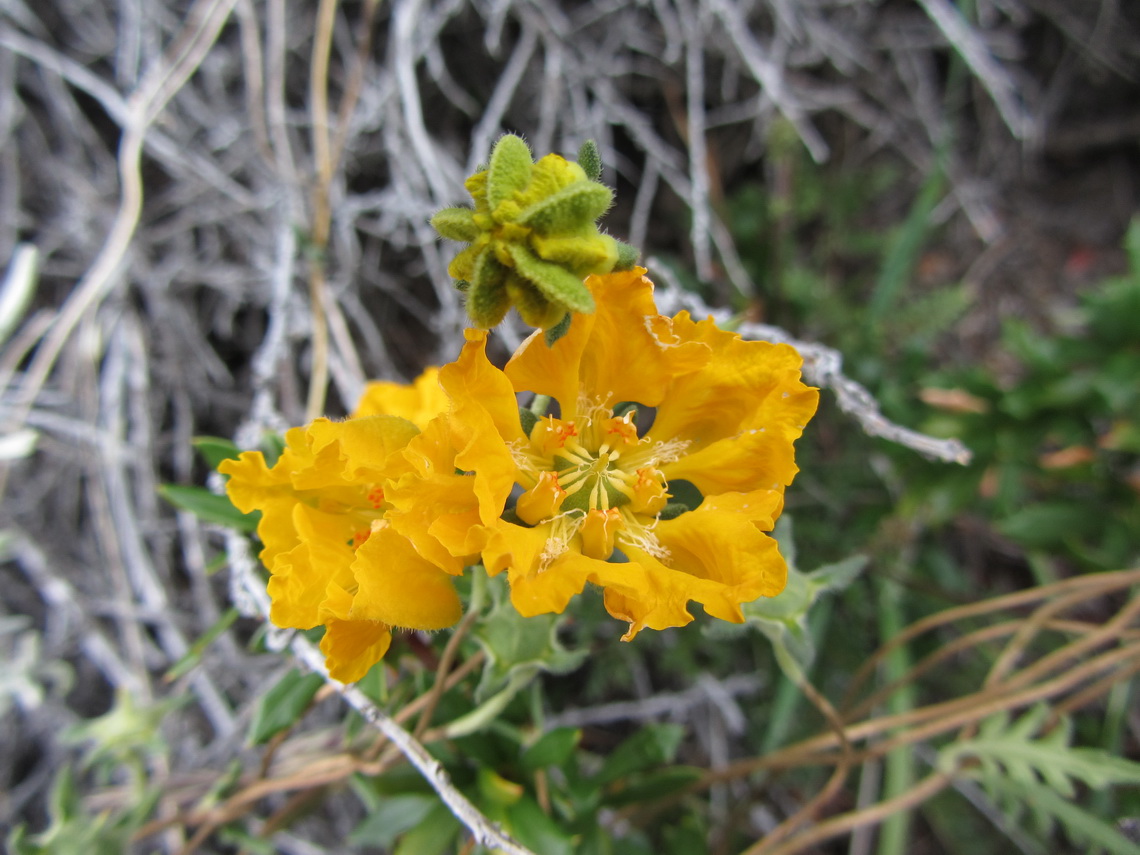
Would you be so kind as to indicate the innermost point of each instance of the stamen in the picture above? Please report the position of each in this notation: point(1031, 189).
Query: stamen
point(562, 531)
point(641, 536)
point(668, 451)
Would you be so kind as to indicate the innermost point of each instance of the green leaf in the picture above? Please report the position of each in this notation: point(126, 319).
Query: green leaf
point(456, 224)
point(236, 837)
point(655, 785)
point(208, 506)
point(391, 818)
point(1048, 524)
point(1081, 825)
point(509, 170)
point(553, 748)
point(1132, 247)
point(902, 255)
point(283, 705)
point(537, 831)
point(684, 493)
point(193, 656)
point(1025, 756)
point(517, 648)
point(784, 618)
point(215, 449)
point(130, 729)
point(652, 746)
point(556, 283)
point(432, 836)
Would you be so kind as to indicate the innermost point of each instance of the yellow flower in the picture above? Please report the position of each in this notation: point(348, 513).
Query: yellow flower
point(595, 482)
point(419, 402)
point(334, 559)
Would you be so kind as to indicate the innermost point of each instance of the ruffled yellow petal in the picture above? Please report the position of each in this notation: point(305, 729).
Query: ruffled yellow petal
point(253, 486)
point(353, 451)
point(398, 587)
point(540, 583)
point(716, 555)
point(352, 647)
point(552, 371)
point(419, 403)
point(727, 549)
point(633, 354)
point(432, 505)
point(301, 576)
point(739, 415)
point(251, 482)
point(484, 421)
point(624, 351)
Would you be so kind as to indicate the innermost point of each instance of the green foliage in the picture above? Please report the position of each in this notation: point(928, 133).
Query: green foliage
point(553, 748)
point(214, 449)
point(209, 506)
point(127, 733)
point(1024, 771)
point(1060, 448)
point(391, 817)
point(652, 746)
point(282, 706)
point(74, 831)
point(784, 619)
point(193, 656)
point(518, 648)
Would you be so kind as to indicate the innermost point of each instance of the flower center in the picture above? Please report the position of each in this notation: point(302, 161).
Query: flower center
point(595, 479)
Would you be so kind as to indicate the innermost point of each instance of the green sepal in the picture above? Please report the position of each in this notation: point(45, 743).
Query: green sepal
point(527, 417)
point(627, 256)
point(557, 331)
point(590, 159)
point(510, 169)
point(487, 297)
point(583, 253)
point(569, 209)
point(673, 510)
point(456, 224)
point(487, 272)
point(556, 283)
point(532, 306)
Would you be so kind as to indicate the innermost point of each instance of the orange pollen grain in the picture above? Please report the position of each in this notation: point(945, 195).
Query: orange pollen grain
point(376, 497)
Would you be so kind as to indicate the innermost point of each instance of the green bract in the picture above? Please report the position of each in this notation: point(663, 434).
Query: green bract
point(533, 236)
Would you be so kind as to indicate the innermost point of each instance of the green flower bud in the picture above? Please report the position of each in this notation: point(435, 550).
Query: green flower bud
point(532, 236)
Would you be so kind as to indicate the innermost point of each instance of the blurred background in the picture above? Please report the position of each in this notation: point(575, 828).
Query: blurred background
point(213, 220)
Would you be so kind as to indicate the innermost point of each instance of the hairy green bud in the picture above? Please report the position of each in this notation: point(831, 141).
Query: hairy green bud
point(532, 236)
point(590, 159)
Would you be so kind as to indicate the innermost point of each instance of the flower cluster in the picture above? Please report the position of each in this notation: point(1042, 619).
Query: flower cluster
point(651, 462)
